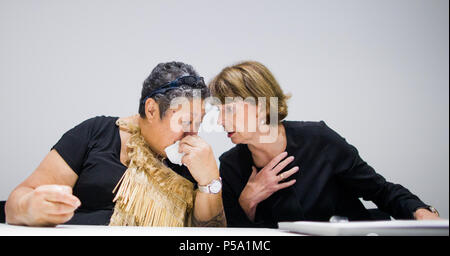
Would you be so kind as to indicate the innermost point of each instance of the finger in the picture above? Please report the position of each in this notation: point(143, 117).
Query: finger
point(62, 188)
point(275, 161)
point(191, 140)
point(288, 173)
point(185, 148)
point(253, 175)
point(283, 164)
point(59, 208)
point(285, 184)
point(60, 218)
point(57, 196)
point(186, 159)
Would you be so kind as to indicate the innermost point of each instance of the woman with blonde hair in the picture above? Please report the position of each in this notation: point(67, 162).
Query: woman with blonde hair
point(305, 172)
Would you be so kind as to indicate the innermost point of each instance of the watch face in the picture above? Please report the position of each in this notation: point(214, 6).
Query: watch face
point(215, 187)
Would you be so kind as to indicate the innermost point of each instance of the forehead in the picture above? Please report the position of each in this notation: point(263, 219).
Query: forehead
point(239, 102)
point(194, 108)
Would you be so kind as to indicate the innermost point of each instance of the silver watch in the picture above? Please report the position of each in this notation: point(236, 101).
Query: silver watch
point(214, 187)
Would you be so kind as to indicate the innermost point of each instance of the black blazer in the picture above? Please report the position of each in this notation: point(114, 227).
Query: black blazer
point(331, 179)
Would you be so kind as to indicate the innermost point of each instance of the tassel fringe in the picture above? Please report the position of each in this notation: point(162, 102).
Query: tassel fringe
point(149, 193)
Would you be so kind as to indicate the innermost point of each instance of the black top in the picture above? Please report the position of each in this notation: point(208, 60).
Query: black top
point(92, 150)
point(331, 179)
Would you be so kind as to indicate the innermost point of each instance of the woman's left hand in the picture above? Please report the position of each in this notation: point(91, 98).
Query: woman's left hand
point(199, 159)
point(424, 214)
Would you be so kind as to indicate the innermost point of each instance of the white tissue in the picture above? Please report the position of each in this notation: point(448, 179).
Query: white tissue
point(209, 122)
point(173, 154)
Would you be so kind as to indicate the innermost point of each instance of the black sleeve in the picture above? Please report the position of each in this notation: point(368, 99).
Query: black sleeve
point(73, 145)
point(235, 215)
point(361, 179)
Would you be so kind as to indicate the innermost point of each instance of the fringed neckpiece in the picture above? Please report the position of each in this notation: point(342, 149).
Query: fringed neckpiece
point(149, 193)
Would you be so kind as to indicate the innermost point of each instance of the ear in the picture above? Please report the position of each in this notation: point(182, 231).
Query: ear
point(151, 109)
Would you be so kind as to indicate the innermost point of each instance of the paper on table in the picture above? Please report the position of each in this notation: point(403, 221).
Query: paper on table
point(363, 228)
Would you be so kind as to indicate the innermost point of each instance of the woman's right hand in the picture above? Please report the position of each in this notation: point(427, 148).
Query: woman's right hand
point(264, 183)
point(50, 205)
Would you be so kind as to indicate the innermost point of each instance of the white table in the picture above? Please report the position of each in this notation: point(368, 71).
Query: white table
point(82, 230)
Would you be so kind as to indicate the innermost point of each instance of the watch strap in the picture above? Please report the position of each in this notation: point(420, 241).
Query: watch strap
point(207, 188)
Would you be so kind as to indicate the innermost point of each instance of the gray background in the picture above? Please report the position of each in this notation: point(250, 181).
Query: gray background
point(374, 71)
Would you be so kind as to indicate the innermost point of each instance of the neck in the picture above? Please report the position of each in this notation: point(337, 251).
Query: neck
point(263, 152)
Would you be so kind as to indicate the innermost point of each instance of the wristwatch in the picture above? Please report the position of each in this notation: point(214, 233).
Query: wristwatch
point(214, 187)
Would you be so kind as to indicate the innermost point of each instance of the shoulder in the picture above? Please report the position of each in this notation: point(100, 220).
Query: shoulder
point(305, 127)
point(318, 135)
point(318, 138)
point(99, 120)
point(95, 124)
point(312, 129)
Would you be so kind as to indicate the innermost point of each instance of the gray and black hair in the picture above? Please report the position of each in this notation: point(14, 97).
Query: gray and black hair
point(164, 73)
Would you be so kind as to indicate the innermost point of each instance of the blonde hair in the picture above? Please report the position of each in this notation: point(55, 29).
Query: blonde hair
point(250, 79)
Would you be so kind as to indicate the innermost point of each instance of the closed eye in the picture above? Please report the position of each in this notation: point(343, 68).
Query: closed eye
point(186, 123)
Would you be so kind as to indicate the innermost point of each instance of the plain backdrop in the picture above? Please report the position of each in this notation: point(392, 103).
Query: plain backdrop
point(377, 72)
